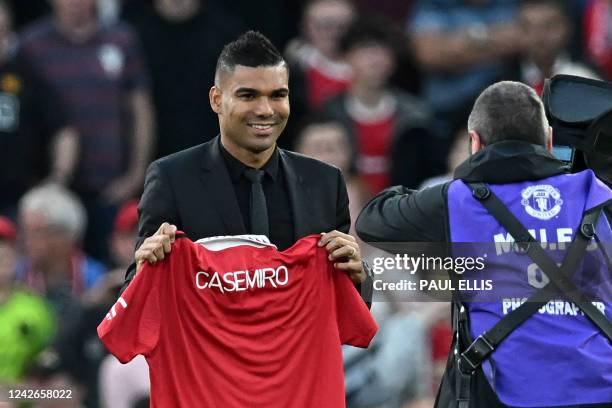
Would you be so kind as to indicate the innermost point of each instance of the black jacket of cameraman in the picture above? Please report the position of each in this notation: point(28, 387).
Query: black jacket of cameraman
point(399, 214)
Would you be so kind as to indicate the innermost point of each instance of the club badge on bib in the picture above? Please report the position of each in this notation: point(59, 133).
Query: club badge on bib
point(542, 201)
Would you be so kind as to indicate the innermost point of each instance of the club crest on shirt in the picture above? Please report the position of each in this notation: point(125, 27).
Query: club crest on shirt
point(542, 201)
point(111, 59)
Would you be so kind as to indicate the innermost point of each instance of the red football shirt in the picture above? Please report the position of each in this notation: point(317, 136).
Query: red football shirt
point(240, 326)
point(374, 142)
point(322, 87)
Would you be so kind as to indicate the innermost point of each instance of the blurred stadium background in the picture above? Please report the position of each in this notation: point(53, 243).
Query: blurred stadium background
point(91, 91)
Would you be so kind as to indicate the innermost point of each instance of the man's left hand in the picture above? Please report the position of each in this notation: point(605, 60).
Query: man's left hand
point(343, 248)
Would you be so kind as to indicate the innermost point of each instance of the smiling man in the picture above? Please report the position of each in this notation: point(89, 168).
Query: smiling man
point(241, 182)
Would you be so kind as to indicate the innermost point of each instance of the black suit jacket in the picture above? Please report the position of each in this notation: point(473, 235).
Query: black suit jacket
point(193, 190)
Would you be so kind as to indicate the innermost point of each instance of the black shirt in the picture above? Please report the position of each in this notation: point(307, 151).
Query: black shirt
point(277, 197)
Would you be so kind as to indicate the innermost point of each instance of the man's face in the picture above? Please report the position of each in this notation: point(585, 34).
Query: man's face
point(74, 12)
point(371, 64)
point(324, 24)
point(42, 241)
point(546, 30)
point(252, 105)
point(327, 142)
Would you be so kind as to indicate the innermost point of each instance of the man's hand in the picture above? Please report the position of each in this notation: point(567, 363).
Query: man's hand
point(156, 247)
point(343, 247)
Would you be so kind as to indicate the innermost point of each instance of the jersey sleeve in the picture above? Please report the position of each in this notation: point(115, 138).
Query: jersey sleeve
point(355, 322)
point(132, 325)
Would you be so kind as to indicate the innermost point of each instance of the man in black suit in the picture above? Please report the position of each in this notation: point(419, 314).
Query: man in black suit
point(241, 182)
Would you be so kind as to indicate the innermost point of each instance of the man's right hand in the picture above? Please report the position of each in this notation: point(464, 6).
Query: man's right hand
point(156, 247)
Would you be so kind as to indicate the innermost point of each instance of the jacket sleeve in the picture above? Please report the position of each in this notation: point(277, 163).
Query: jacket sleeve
point(343, 216)
point(157, 205)
point(399, 214)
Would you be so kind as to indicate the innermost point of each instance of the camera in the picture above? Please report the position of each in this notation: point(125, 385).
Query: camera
point(580, 113)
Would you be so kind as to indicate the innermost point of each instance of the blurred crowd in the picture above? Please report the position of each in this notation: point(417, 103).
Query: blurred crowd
point(91, 91)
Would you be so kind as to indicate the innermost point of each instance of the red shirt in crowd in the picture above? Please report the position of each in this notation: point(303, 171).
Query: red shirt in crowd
point(598, 34)
point(241, 325)
point(374, 141)
point(321, 87)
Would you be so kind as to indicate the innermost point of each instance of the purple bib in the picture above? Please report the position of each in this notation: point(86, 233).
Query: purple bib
point(558, 356)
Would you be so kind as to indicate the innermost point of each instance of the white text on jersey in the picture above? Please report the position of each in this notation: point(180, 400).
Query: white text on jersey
point(238, 281)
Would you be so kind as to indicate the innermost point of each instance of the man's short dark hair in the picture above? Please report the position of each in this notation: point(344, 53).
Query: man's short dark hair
point(509, 111)
point(251, 49)
point(370, 31)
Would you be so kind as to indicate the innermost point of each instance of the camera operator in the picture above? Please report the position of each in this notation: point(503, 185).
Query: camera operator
point(547, 359)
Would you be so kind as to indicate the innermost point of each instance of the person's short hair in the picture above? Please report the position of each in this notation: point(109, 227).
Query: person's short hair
point(371, 31)
point(316, 118)
point(509, 110)
point(60, 208)
point(251, 49)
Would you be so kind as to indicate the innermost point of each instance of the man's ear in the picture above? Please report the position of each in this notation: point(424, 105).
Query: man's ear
point(214, 96)
point(475, 143)
point(549, 140)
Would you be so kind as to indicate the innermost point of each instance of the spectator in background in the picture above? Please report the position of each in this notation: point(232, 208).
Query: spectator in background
point(547, 29)
point(99, 75)
point(49, 373)
point(35, 142)
point(79, 347)
point(53, 222)
point(324, 139)
point(462, 46)
point(597, 28)
point(316, 58)
point(383, 122)
point(181, 41)
point(26, 323)
point(397, 370)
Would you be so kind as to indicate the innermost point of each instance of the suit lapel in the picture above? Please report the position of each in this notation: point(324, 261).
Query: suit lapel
point(299, 194)
point(219, 189)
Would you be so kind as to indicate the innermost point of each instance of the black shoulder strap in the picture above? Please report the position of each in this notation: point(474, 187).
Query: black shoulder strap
point(486, 343)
